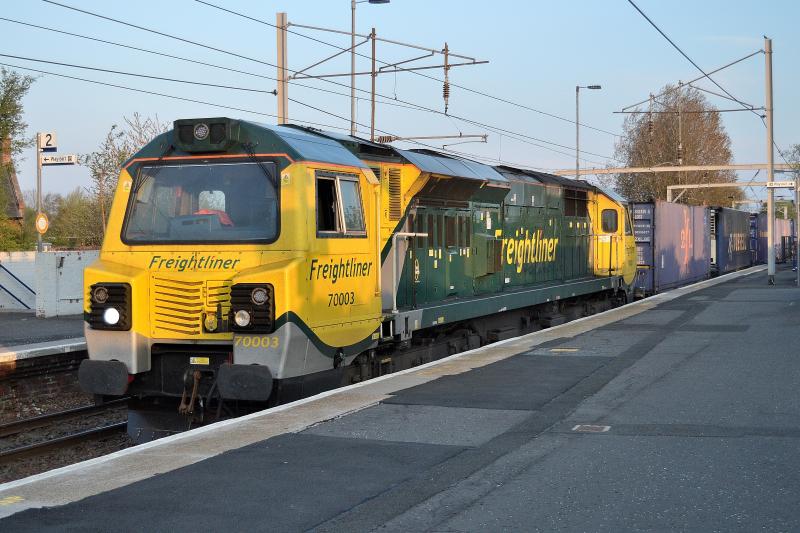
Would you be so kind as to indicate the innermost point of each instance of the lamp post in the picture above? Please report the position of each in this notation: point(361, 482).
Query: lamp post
point(578, 127)
point(353, 59)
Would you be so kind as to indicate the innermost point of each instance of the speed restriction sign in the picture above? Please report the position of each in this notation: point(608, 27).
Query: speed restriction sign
point(42, 223)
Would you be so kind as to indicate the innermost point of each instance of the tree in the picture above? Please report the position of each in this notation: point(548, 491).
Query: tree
point(680, 128)
point(117, 147)
point(13, 88)
point(74, 224)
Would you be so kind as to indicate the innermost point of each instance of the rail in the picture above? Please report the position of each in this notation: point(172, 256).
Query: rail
point(19, 426)
point(39, 448)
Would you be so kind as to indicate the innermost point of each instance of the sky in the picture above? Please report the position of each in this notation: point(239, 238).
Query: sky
point(537, 53)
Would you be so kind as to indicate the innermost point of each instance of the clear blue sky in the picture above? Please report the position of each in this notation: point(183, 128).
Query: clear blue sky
point(538, 52)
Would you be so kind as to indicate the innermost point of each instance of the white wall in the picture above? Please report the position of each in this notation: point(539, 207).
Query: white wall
point(59, 282)
point(23, 266)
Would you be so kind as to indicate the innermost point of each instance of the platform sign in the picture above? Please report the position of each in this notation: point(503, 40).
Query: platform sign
point(66, 159)
point(48, 141)
point(42, 223)
point(780, 185)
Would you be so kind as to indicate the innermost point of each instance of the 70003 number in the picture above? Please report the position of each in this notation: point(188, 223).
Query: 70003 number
point(337, 299)
point(257, 342)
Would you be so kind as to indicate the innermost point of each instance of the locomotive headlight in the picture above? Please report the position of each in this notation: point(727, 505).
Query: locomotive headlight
point(111, 316)
point(259, 296)
point(242, 318)
point(201, 131)
point(100, 294)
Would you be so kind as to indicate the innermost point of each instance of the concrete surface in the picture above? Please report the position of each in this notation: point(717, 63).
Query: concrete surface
point(697, 388)
point(22, 335)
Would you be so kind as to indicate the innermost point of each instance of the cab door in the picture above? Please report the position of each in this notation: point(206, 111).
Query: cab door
point(610, 247)
point(631, 260)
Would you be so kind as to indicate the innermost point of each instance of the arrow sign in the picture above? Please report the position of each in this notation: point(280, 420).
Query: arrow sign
point(66, 159)
point(780, 185)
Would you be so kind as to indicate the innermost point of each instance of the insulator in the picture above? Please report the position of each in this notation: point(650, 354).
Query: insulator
point(446, 94)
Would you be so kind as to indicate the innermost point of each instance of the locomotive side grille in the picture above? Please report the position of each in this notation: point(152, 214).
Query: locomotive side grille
point(395, 205)
point(177, 307)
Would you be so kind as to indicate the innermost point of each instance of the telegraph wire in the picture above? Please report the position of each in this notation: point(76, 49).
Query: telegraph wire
point(475, 91)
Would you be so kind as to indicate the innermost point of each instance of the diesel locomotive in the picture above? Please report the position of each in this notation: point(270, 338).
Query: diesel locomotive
point(256, 263)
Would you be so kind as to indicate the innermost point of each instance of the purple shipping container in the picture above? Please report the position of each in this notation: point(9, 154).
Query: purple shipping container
point(784, 238)
point(730, 235)
point(672, 245)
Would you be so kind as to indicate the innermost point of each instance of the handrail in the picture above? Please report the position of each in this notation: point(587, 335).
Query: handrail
point(17, 299)
point(18, 280)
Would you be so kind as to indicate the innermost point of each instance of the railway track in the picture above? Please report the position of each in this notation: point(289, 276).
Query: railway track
point(20, 426)
point(40, 448)
point(66, 436)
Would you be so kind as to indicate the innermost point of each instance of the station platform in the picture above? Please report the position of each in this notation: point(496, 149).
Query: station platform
point(22, 335)
point(678, 412)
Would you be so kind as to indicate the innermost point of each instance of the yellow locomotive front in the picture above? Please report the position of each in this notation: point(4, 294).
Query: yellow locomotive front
point(213, 279)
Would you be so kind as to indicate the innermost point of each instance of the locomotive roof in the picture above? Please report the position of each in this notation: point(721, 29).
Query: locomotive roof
point(305, 145)
point(444, 165)
point(429, 161)
point(519, 174)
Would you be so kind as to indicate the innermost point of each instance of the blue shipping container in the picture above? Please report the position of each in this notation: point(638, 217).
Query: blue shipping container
point(672, 245)
point(731, 239)
point(784, 239)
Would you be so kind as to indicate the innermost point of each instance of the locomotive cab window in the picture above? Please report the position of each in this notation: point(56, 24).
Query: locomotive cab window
point(609, 220)
point(203, 203)
point(628, 224)
point(340, 212)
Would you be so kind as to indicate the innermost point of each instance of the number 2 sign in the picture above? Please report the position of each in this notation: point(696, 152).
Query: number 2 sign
point(48, 141)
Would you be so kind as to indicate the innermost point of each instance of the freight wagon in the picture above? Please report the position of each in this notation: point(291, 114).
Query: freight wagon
point(672, 245)
point(784, 239)
point(730, 240)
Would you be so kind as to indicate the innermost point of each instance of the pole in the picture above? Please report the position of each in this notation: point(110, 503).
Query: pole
point(283, 73)
point(680, 124)
point(770, 166)
point(353, 69)
point(39, 247)
point(796, 222)
point(577, 135)
point(372, 96)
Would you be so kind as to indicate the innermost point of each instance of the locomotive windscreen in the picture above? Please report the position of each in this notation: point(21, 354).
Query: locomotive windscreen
point(203, 203)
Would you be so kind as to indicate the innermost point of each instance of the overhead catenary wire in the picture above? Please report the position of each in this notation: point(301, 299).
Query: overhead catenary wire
point(241, 56)
point(689, 59)
point(705, 75)
point(139, 75)
point(434, 78)
point(223, 106)
point(180, 58)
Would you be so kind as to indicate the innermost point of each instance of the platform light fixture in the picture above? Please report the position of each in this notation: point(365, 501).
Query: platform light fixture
point(578, 126)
